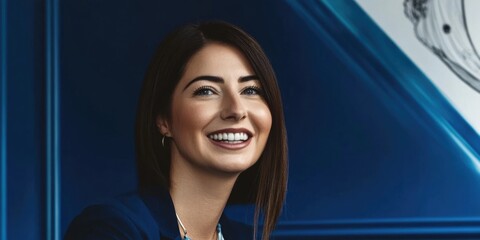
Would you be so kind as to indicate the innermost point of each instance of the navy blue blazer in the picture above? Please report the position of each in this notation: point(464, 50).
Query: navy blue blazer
point(146, 215)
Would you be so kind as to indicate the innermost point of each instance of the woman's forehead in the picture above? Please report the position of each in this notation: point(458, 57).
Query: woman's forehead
point(219, 60)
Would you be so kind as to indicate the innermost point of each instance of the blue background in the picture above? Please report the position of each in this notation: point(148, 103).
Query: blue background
point(375, 150)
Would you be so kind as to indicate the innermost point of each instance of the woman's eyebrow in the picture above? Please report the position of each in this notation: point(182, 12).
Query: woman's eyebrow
point(219, 79)
point(248, 78)
point(205, 78)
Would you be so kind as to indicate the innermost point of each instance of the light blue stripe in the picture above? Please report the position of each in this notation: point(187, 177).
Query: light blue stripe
point(456, 221)
point(389, 227)
point(57, 124)
point(57, 118)
point(52, 121)
point(3, 138)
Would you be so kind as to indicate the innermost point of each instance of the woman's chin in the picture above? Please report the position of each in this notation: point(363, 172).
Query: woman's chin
point(232, 166)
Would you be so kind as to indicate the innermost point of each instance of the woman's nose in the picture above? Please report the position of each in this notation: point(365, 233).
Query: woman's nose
point(233, 108)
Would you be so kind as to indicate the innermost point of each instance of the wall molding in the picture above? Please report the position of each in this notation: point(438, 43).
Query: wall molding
point(3, 121)
point(52, 122)
point(407, 228)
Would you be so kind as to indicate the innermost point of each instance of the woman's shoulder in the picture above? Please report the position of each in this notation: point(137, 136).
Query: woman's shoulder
point(145, 215)
point(125, 217)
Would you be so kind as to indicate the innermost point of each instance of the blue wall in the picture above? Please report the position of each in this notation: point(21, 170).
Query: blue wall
point(375, 150)
point(22, 121)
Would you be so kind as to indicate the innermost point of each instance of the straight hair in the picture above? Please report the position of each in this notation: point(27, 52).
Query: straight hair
point(263, 184)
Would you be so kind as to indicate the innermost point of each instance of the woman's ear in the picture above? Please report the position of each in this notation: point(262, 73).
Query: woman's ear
point(162, 125)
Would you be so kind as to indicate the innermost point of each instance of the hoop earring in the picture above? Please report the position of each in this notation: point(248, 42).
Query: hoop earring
point(163, 141)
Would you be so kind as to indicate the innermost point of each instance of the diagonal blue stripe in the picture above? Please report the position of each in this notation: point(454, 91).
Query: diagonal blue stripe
point(406, 89)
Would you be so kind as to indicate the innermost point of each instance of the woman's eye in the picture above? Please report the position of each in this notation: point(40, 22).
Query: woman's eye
point(252, 91)
point(203, 91)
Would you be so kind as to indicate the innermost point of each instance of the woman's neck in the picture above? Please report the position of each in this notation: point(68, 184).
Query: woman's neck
point(199, 197)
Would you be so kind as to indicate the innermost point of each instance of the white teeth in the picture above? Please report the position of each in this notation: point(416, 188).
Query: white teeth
point(245, 136)
point(236, 137)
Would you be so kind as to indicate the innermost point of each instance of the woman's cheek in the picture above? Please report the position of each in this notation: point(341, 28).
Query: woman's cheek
point(262, 117)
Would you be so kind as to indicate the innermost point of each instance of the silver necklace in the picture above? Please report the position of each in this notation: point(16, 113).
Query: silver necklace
point(185, 237)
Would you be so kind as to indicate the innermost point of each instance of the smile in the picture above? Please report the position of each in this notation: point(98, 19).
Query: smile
point(231, 138)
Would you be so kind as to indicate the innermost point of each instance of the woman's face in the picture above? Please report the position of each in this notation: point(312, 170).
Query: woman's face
point(220, 121)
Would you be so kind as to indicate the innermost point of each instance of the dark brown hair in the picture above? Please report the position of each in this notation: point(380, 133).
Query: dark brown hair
point(265, 182)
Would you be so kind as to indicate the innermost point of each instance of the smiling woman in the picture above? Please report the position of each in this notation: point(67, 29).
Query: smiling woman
point(210, 131)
